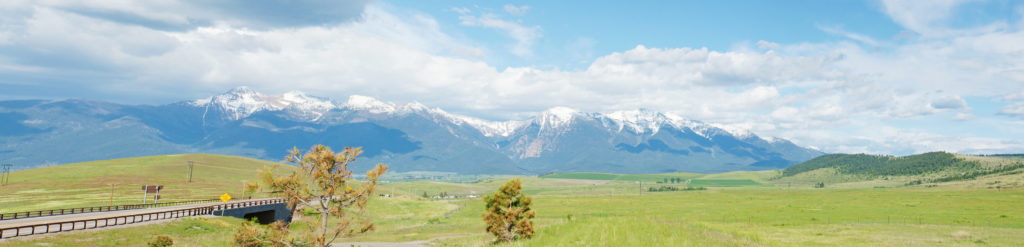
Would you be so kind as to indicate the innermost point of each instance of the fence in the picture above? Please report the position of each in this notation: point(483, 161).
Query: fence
point(71, 225)
point(52, 212)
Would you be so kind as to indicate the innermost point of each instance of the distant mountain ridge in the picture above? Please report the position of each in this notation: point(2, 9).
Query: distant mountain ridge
point(410, 137)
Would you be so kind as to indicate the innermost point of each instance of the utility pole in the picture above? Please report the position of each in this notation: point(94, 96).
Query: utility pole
point(7, 173)
point(190, 165)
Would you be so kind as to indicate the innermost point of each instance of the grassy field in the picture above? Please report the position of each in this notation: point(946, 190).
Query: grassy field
point(96, 183)
point(582, 210)
point(623, 177)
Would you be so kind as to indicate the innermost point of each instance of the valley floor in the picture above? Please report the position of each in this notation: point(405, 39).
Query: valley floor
point(585, 213)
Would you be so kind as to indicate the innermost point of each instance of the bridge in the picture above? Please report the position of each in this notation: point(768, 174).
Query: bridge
point(63, 220)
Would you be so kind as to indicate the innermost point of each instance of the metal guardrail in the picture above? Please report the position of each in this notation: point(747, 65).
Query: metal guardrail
point(64, 226)
point(63, 211)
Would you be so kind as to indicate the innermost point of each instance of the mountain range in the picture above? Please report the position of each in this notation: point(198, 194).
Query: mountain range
point(408, 137)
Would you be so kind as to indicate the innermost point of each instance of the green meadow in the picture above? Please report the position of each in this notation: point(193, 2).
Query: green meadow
point(594, 209)
point(120, 181)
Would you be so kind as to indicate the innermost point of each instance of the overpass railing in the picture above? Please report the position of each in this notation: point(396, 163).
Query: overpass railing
point(63, 211)
point(71, 225)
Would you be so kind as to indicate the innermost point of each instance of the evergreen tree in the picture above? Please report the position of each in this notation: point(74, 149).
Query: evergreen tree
point(508, 214)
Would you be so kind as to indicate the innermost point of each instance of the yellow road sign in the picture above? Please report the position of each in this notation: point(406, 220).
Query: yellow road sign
point(225, 197)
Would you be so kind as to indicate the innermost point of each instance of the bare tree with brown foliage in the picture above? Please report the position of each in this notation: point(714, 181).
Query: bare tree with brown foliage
point(324, 184)
point(508, 212)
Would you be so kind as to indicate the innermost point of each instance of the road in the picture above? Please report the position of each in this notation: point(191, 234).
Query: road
point(24, 222)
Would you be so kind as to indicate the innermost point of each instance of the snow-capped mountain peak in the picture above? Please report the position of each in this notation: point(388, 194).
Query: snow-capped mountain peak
point(414, 106)
point(370, 104)
point(735, 131)
point(486, 127)
point(241, 90)
point(240, 102)
point(302, 105)
point(556, 117)
point(641, 120)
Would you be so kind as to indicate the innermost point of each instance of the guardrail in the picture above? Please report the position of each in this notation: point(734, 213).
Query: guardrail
point(63, 211)
point(64, 226)
point(233, 205)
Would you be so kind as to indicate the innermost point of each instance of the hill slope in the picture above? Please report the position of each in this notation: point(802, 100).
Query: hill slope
point(89, 183)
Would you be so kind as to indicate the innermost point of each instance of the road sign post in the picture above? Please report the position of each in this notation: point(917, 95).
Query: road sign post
point(151, 189)
point(224, 198)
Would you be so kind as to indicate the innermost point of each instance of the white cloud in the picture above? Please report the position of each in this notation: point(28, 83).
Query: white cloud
point(1014, 96)
point(461, 10)
point(850, 35)
point(1015, 109)
point(525, 36)
point(516, 10)
point(923, 17)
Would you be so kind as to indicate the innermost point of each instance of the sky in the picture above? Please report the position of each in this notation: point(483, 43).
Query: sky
point(884, 77)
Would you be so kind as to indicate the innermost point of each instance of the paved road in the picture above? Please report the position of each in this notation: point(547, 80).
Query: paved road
point(96, 215)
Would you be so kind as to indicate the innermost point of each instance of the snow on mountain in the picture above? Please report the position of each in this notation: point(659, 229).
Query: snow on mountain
point(242, 102)
point(556, 117)
point(412, 107)
point(640, 121)
point(735, 131)
point(370, 104)
point(301, 105)
point(488, 128)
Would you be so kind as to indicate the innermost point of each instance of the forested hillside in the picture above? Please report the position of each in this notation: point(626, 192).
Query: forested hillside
point(879, 165)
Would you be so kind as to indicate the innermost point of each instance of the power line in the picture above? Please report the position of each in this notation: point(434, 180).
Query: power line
point(190, 165)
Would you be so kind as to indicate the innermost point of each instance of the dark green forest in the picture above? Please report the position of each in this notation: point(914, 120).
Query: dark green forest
point(883, 165)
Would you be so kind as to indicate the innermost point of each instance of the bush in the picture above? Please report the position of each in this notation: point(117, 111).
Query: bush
point(161, 241)
point(673, 188)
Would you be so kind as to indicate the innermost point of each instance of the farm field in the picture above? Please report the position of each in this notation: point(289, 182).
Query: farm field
point(611, 212)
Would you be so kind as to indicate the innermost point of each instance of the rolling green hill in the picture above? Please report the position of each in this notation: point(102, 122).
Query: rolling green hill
point(859, 170)
point(98, 183)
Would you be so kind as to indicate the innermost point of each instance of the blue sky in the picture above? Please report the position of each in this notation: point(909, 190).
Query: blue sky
point(877, 76)
point(611, 26)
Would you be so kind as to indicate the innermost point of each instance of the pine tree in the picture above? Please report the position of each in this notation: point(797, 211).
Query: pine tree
point(508, 212)
point(324, 184)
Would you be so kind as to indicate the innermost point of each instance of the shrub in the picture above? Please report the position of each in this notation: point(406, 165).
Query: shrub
point(161, 241)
